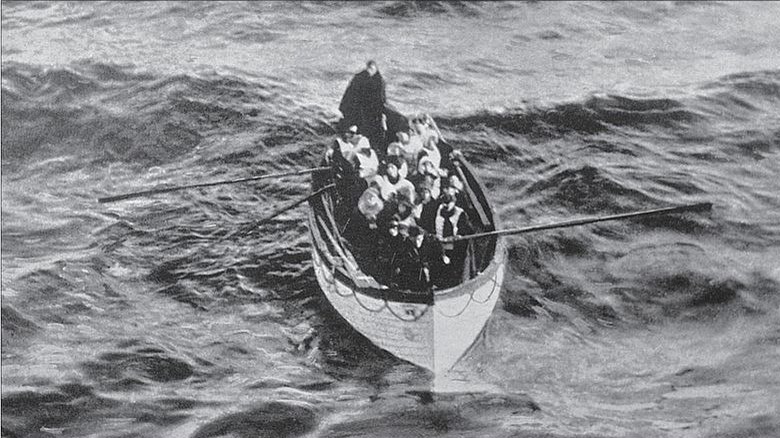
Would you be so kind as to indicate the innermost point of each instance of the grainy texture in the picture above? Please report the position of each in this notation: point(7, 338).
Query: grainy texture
point(176, 316)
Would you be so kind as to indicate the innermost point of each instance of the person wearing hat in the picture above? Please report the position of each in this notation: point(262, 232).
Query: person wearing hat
point(343, 145)
point(392, 184)
point(370, 205)
point(416, 261)
point(424, 211)
point(428, 175)
point(363, 158)
point(424, 126)
point(396, 149)
point(363, 103)
point(348, 183)
point(455, 187)
point(430, 151)
point(411, 145)
point(451, 221)
point(387, 244)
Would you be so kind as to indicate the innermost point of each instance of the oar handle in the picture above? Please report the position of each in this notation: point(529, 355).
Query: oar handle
point(209, 184)
point(702, 206)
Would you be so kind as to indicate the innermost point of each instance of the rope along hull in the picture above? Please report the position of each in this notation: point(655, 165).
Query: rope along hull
point(430, 336)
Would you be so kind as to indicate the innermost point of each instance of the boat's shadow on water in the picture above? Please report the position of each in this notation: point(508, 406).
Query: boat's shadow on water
point(344, 353)
point(404, 399)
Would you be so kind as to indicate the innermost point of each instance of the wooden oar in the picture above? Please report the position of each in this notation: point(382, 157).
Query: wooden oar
point(210, 184)
point(293, 205)
point(703, 206)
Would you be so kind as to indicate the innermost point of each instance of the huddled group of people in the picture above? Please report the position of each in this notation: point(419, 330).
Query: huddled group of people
point(398, 202)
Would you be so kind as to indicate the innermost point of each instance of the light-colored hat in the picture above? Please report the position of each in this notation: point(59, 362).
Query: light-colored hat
point(394, 149)
point(423, 161)
point(353, 129)
point(370, 203)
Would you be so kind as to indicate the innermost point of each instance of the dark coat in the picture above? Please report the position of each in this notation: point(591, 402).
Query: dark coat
point(428, 216)
point(363, 104)
point(457, 270)
point(410, 264)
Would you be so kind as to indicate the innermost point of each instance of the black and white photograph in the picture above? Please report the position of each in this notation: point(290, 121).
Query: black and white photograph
point(526, 219)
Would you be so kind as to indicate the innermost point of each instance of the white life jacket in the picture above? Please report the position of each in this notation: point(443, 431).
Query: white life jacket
point(453, 220)
point(351, 148)
point(432, 155)
point(402, 187)
point(412, 148)
point(344, 147)
point(367, 166)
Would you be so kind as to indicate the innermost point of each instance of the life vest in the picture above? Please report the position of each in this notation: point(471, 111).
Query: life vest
point(344, 147)
point(424, 132)
point(395, 149)
point(402, 187)
point(412, 148)
point(370, 203)
point(366, 165)
point(447, 228)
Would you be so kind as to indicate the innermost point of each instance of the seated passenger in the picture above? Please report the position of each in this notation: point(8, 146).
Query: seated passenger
point(425, 210)
point(432, 126)
point(343, 146)
point(404, 215)
point(351, 141)
point(415, 261)
point(430, 150)
point(371, 205)
point(424, 126)
point(385, 246)
point(455, 188)
point(408, 147)
point(364, 159)
point(396, 149)
point(450, 221)
point(427, 176)
point(392, 184)
point(455, 182)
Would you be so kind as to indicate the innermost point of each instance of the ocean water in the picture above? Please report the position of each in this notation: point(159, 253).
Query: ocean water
point(176, 316)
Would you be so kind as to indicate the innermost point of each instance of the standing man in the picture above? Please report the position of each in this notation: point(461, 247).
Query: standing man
point(363, 105)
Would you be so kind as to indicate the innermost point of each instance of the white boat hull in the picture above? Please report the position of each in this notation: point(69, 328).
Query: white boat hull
point(431, 336)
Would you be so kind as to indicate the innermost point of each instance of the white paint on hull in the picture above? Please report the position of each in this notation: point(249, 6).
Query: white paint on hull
point(410, 338)
point(459, 320)
point(433, 337)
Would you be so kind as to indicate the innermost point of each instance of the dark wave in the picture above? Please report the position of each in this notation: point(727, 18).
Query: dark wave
point(68, 406)
point(643, 285)
point(424, 81)
point(51, 112)
point(764, 85)
point(587, 189)
point(742, 94)
point(15, 326)
point(408, 9)
point(127, 370)
point(269, 419)
point(593, 116)
point(29, 412)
